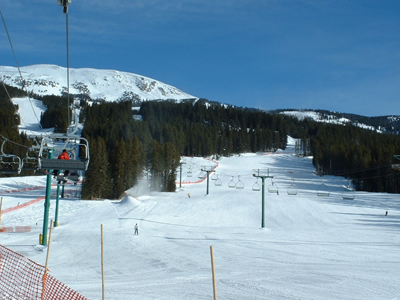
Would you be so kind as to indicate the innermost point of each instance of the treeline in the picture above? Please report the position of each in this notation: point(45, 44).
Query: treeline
point(57, 111)
point(9, 122)
point(123, 150)
point(363, 156)
point(202, 130)
point(122, 147)
point(56, 114)
point(385, 124)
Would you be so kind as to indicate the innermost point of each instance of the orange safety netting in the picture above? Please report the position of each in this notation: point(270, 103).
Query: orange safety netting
point(16, 229)
point(22, 278)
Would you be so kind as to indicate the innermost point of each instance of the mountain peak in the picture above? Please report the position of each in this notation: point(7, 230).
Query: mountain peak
point(96, 84)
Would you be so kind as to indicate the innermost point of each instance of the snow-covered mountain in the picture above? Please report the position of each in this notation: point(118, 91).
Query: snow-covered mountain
point(325, 118)
point(96, 84)
point(381, 124)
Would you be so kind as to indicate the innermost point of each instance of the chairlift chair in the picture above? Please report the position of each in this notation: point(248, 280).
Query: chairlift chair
point(292, 190)
point(189, 173)
point(214, 176)
point(239, 184)
point(59, 142)
point(73, 177)
point(218, 182)
point(256, 187)
point(323, 190)
point(9, 163)
point(348, 195)
point(30, 162)
point(273, 188)
point(232, 184)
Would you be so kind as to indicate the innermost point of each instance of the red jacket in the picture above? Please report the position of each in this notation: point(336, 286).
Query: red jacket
point(63, 155)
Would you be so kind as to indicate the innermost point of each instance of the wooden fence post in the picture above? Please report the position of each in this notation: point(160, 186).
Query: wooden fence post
point(1, 206)
point(213, 272)
point(102, 261)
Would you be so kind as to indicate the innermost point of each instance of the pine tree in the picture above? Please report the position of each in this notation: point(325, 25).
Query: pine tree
point(119, 159)
point(134, 162)
point(97, 184)
point(155, 166)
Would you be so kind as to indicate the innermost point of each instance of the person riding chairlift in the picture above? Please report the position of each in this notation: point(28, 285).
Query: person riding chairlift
point(63, 155)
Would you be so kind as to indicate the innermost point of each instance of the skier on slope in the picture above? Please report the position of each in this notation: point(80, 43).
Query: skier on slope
point(136, 229)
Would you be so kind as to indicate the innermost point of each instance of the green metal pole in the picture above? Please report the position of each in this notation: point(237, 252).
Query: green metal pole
point(180, 175)
point(263, 202)
point(62, 190)
point(47, 203)
point(57, 201)
point(208, 172)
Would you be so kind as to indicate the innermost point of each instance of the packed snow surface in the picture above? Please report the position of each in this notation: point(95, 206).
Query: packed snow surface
point(312, 247)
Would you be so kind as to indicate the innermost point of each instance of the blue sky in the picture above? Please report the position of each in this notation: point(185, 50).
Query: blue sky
point(340, 55)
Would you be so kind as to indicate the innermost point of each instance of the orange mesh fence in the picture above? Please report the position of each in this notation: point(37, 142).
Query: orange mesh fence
point(55, 290)
point(23, 189)
point(16, 229)
point(4, 211)
point(22, 278)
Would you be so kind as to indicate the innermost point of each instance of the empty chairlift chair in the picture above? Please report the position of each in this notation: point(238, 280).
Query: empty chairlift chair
point(214, 176)
point(323, 190)
point(239, 184)
point(232, 184)
point(30, 161)
point(273, 188)
point(292, 190)
point(9, 163)
point(348, 195)
point(256, 187)
point(218, 182)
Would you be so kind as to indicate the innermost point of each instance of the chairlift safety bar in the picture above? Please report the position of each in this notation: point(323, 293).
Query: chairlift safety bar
point(59, 164)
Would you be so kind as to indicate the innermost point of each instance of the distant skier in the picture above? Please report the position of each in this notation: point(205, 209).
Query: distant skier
point(136, 229)
point(386, 213)
point(188, 195)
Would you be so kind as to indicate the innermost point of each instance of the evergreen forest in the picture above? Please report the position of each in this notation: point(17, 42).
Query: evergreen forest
point(127, 144)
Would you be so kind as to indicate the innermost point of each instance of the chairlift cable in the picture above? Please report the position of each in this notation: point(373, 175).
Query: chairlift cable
point(66, 16)
point(12, 142)
point(16, 111)
point(19, 69)
point(12, 48)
